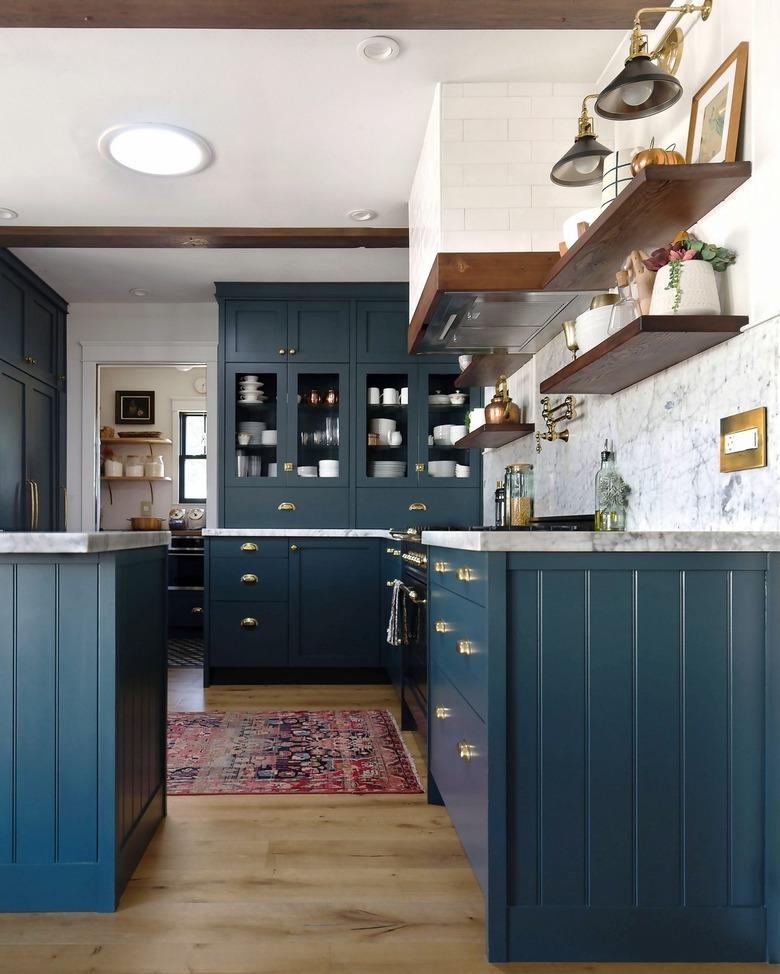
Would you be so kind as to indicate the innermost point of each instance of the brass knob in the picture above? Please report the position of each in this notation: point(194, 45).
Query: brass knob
point(30, 360)
point(465, 751)
point(249, 546)
point(286, 506)
point(250, 579)
point(291, 351)
point(282, 351)
point(390, 582)
point(389, 550)
point(419, 467)
point(249, 623)
point(288, 467)
point(440, 566)
point(464, 575)
point(61, 378)
point(442, 713)
point(465, 648)
point(293, 547)
point(440, 625)
point(197, 610)
point(418, 506)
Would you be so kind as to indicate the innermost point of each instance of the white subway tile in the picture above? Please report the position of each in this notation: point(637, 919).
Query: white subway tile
point(556, 107)
point(486, 107)
point(483, 197)
point(573, 89)
point(485, 175)
point(563, 196)
point(530, 88)
point(485, 129)
point(528, 174)
point(530, 129)
point(562, 213)
point(485, 89)
point(451, 175)
point(449, 90)
point(486, 152)
point(493, 219)
point(549, 152)
point(540, 218)
point(564, 129)
point(545, 240)
point(490, 241)
point(452, 220)
point(452, 130)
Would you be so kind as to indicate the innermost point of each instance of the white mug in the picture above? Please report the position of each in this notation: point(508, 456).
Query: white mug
point(373, 396)
point(390, 397)
point(405, 396)
point(395, 438)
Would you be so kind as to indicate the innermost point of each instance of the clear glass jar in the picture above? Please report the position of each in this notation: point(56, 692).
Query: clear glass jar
point(134, 466)
point(519, 481)
point(626, 309)
point(154, 466)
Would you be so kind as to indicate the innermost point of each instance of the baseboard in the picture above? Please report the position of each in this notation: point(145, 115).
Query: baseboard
point(297, 676)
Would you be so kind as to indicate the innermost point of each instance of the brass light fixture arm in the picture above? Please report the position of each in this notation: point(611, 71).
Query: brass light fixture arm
point(585, 122)
point(639, 40)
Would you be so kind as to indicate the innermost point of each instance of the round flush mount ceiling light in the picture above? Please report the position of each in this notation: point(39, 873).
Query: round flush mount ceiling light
point(379, 49)
point(6, 213)
point(138, 292)
point(157, 150)
point(362, 216)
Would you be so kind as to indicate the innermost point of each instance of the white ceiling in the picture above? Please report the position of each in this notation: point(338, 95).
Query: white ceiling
point(302, 129)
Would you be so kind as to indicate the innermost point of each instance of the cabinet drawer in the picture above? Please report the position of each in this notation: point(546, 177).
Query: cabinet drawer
point(316, 507)
point(384, 508)
point(242, 547)
point(459, 763)
point(464, 572)
point(234, 644)
point(185, 609)
point(461, 649)
point(237, 578)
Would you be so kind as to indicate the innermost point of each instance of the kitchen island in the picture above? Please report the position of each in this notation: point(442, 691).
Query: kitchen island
point(604, 733)
point(82, 709)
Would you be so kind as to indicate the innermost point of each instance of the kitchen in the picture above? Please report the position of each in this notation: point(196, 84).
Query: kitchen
point(366, 388)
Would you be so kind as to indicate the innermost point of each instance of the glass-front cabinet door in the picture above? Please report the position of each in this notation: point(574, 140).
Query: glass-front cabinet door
point(317, 446)
point(442, 422)
point(387, 448)
point(255, 425)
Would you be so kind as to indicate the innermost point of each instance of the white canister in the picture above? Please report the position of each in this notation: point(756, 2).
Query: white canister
point(154, 467)
point(698, 290)
point(134, 467)
point(113, 468)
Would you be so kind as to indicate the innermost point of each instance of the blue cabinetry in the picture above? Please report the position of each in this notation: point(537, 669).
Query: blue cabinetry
point(601, 748)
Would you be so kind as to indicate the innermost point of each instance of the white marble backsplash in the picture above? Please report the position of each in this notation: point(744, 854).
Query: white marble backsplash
point(665, 432)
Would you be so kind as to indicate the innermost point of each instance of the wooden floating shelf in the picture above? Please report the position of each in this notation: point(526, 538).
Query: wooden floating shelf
point(135, 480)
point(658, 203)
point(643, 348)
point(485, 369)
point(130, 440)
point(493, 435)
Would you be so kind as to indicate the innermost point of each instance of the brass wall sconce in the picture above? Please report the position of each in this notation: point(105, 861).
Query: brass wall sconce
point(552, 415)
point(643, 87)
point(583, 164)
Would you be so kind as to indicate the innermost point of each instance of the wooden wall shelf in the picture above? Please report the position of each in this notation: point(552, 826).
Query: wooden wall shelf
point(647, 346)
point(135, 480)
point(493, 435)
point(130, 440)
point(485, 369)
point(658, 203)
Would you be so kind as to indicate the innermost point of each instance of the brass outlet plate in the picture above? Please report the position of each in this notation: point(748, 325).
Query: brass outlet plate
point(745, 459)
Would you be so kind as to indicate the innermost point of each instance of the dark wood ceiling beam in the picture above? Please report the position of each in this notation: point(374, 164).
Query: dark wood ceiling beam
point(378, 15)
point(248, 238)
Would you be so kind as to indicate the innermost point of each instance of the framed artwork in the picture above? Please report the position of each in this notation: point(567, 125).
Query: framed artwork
point(716, 111)
point(134, 408)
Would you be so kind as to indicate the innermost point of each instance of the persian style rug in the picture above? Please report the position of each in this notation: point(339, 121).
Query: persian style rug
point(322, 752)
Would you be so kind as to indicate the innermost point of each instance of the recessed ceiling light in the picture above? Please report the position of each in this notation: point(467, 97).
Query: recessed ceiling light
point(379, 49)
point(362, 216)
point(138, 292)
point(7, 214)
point(158, 150)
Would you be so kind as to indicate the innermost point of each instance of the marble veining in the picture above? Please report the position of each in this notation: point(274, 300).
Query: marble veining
point(647, 541)
point(66, 543)
point(295, 533)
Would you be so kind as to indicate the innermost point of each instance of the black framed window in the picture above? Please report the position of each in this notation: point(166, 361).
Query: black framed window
point(192, 458)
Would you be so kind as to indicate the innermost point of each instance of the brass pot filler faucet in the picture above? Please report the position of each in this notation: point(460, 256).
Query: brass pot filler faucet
point(552, 415)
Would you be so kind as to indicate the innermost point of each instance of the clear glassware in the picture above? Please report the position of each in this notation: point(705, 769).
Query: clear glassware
point(626, 309)
point(611, 493)
point(519, 488)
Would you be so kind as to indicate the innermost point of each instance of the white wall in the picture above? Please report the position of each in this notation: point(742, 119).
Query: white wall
point(149, 326)
point(666, 428)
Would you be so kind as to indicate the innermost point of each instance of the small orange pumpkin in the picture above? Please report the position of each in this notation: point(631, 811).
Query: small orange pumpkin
point(655, 156)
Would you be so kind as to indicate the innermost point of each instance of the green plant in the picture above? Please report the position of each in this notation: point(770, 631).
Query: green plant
point(687, 247)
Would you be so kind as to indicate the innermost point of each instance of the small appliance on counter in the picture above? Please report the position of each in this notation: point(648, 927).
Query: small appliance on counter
point(177, 519)
point(196, 518)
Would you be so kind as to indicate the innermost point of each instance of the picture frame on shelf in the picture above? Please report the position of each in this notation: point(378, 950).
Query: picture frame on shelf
point(716, 111)
point(133, 408)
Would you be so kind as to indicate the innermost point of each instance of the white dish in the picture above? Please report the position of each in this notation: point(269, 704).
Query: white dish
point(272, 469)
point(441, 468)
point(307, 471)
point(457, 433)
point(591, 327)
point(461, 470)
point(464, 361)
point(457, 399)
point(268, 437)
point(439, 400)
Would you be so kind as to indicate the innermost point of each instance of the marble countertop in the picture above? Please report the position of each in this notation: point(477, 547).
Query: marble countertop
point(651, 541)
point(71, 543)
point(295, 533)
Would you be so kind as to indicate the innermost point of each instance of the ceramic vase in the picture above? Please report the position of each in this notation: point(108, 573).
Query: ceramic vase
point(699, 290)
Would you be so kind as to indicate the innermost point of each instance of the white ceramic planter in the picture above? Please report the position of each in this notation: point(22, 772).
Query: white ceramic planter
point(698, 286)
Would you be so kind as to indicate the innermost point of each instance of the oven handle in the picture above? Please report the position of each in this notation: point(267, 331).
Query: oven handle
point(410, 593)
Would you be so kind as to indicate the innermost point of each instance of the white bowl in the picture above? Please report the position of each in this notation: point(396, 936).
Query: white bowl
point(441, 468)
point(307, 471)
point(464, 361)
point(457, 433)
point(461, 470)
point(268, 437)
point(591, 327)
point(382, 425)
point(457, 399)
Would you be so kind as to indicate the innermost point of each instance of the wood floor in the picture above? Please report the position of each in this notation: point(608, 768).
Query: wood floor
point(288, 885)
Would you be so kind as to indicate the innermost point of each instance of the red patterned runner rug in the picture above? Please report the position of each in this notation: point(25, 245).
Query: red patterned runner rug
point(323, 752)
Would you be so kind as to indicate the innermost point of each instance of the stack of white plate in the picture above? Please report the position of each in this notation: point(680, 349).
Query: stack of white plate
point(328, 468)
point(441, 468)
point(307, 471)
point(254, 429)
point(383, 428)
point(250, 389)
point(386, 468)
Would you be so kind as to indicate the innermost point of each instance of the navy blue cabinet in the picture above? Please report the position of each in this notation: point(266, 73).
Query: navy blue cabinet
point(318, 331)
point(254, 331)
point(267, 331)
point(381, 331)
point(390, 570)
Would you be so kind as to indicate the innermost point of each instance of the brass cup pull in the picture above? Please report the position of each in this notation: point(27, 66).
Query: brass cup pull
point(286, 506)
point(282, 351)
point(249, 623)
point(417, 506)
point(465, 648)
point(249, 546)
point(440, 625)
point(442, 713)
point(197, 610)
point(465, 751)
point(440, 566)
point(464, 575)
point(250, 579)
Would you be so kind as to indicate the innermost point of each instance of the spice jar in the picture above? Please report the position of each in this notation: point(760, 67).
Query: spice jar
point(134, 466)
point(154, 466)
point(519, 489)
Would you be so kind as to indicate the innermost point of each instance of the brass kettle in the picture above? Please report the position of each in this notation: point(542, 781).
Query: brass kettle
point(501, 409)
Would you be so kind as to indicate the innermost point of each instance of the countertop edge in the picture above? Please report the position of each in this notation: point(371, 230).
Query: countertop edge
point(79, 543)
point(592, 541)
point(295, 533)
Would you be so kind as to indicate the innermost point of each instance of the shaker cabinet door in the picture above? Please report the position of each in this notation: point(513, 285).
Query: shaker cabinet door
point(318, 331)
point(41, 337)
point(14, 500)
point(256, 331)
point(41, 449)
point(12, 294)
